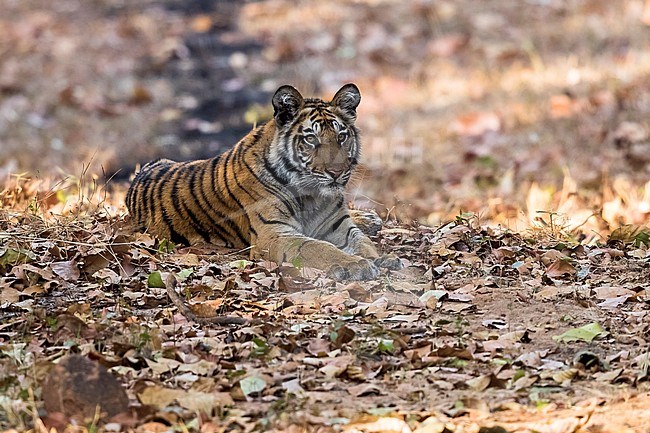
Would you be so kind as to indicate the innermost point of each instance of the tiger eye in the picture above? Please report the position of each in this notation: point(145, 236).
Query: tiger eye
point(311, 140)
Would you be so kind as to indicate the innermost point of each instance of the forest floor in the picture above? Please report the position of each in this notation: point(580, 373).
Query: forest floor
point(517, 137)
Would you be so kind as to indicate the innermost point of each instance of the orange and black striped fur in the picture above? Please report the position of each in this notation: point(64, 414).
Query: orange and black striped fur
point(279, 190)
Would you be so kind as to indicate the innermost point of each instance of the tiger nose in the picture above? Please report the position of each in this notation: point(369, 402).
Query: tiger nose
point(335, 172)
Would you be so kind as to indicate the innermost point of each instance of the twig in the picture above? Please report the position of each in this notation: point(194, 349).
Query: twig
point(170, 286)
point(409, 331)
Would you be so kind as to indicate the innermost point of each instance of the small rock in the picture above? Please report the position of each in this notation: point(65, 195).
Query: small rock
point(77, 385)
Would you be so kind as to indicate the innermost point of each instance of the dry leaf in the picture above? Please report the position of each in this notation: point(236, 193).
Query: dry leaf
point(364, 389)
point(201, 23)
point(476, 123)
point(381, 425)
point(612, 303)
point(159, 396)
point(318, 347)
point(67, 270)
point(560, 268)
point(204, 402)
point(358, 292)
point(448, 45)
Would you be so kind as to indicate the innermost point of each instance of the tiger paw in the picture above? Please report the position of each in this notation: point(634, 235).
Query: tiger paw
point(367, 220)
point(389, 261)
point(359, 270)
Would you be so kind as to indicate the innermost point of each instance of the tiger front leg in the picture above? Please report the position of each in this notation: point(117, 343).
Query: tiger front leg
point(309, 252)
point(356, 242)
point(366, 248)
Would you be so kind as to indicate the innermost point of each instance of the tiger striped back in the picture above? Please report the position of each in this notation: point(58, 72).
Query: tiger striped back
point(279, 190)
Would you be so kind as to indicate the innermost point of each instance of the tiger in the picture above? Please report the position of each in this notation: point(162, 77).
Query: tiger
point(279, 191)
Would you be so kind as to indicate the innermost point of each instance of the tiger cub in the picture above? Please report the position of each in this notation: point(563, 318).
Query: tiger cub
point(278, 191)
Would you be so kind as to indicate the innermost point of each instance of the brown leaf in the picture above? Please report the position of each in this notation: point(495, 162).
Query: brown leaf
point(153, 427)
point(207, 308)
point(364, 389)
point(70, 326)
point(9, 295)
point(456, 307)
point(525, 382)
point(334, 300)
point(483, 382)
point(469, 258)
point(108, 276)
point(504, 254)
point(608, 376)
point(613, 252)
point(612, 303)
point(551, 292)
point(560, 268)
point(201, 23)
point(293, 284)
point(562, 106)
point(335, 366)
point(204, 402)
point(343, 336)
point(31, 273)
point(140, 95)
point(480, 383)
point(381, 425)
point(378, 306)
point(418, 353)
point(448, 45)
point(606, 292)
point(460, 297)
point(551, 256)
point(67, 270)
point(456, 352)
point(318, 347)
point(358, 292)
point(158, 396)
point(94, 262)
point(476, 123)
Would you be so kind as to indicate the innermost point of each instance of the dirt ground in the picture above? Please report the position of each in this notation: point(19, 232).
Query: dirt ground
point(506, 146)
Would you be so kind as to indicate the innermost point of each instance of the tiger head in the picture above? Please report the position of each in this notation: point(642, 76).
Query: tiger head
point(317, 143)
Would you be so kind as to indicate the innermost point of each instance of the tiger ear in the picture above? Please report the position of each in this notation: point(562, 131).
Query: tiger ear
point(347, 99)
point(286, 104)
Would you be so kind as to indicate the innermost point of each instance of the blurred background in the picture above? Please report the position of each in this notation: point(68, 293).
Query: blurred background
point(516, 110)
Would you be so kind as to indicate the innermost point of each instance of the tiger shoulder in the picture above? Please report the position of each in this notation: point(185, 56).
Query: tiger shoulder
point(279, 191)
